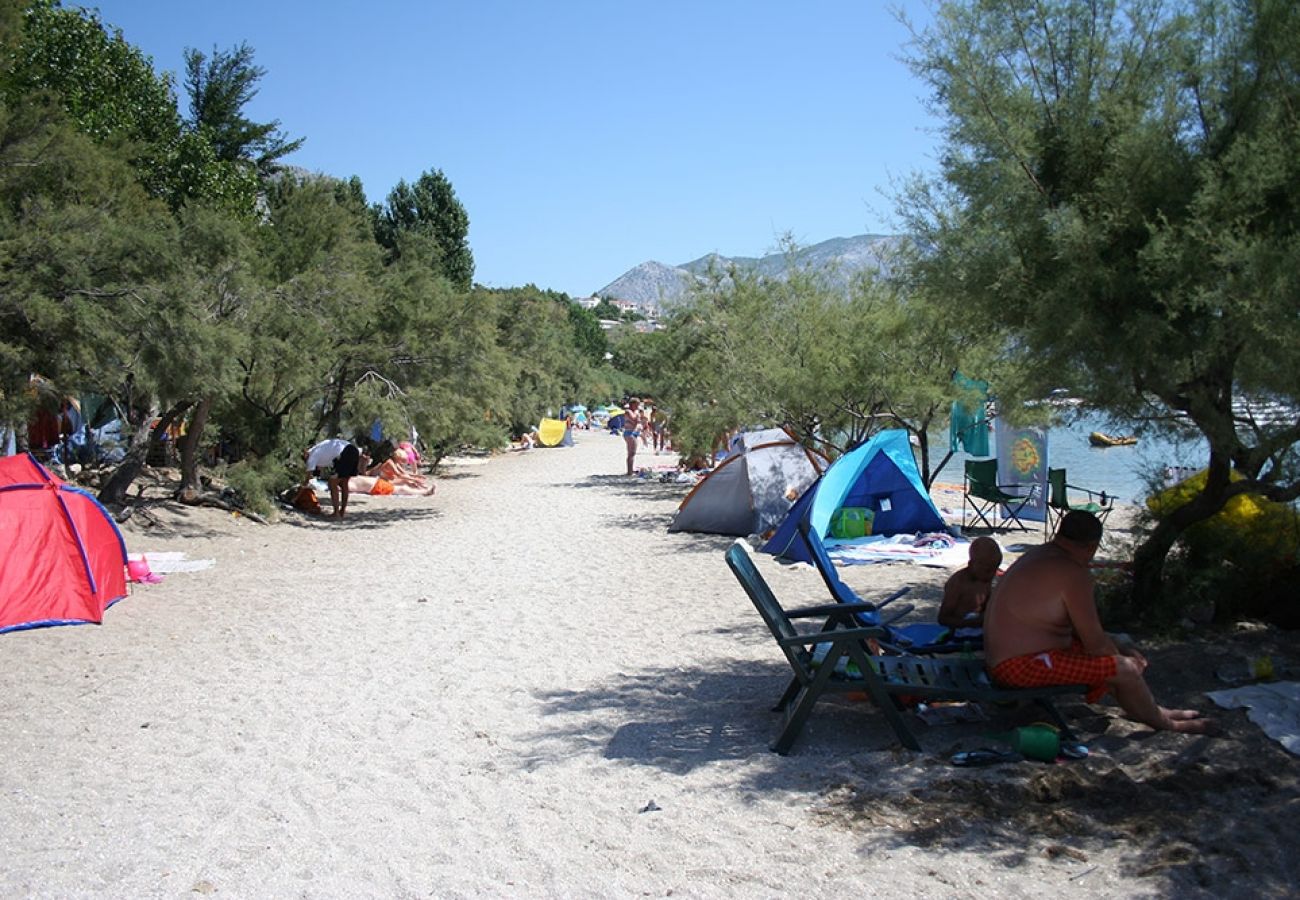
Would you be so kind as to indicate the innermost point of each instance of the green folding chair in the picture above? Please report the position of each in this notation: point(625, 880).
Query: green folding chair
point(1058, 500)
point(985, 497)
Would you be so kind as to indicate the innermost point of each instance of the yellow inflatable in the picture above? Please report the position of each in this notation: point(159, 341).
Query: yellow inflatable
point(1267, 525)
point(551, 432)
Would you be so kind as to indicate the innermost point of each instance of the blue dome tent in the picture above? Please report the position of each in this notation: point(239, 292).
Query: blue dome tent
point(880, 475)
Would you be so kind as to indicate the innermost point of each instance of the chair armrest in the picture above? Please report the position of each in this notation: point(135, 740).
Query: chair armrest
point(896, 614)
point(830, 609)
point(881, 604)
point(1105, 498)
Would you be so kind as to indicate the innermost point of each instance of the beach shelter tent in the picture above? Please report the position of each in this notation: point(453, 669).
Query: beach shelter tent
point(880, 475)
point(62, 559)
point(554, 433)
point(750, 491)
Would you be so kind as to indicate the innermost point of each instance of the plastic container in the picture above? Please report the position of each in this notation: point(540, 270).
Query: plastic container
point(851, 522)
point(1040, 742)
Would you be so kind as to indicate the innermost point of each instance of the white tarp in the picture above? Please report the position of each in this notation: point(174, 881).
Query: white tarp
point(1274, 706)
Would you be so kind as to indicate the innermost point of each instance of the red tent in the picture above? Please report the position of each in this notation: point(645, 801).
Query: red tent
point(62, 559)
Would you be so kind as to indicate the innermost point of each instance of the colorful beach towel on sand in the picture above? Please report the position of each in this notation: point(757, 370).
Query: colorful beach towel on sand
point(934, 549)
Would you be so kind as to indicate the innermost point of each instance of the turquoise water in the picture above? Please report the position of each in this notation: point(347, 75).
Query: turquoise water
point(1123, 472)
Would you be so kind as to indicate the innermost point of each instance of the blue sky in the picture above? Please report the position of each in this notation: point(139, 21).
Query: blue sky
point(584, 138)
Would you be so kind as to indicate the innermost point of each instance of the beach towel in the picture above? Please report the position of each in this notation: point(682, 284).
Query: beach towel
point(168, 562)
point(936, 549)
point(1273, 706)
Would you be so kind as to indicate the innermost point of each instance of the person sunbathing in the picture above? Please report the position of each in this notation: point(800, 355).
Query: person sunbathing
point(967, 591)
point(1041, 627)
point(390, 470)
point(370, 484)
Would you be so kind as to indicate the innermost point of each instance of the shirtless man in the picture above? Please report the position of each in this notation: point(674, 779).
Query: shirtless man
point(967, 591)
point(1041, 627)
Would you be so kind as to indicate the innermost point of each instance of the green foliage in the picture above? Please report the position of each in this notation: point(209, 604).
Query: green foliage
point(273, 328)
point(83, 252)
point(800, 354)
point(1120, 199)
point(256, 481)
point(106, 85)
point(588, 336)
point(426, 222)
point(109, 89)
point(219, 87)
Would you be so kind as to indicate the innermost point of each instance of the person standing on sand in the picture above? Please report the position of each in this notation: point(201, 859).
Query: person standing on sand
point(1041, 627)
point(344, 460)
point(633, 423)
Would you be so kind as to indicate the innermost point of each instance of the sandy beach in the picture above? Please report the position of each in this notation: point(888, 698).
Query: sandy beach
point(523, 686)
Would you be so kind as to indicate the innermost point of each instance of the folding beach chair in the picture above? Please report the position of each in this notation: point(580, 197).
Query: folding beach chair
point(1058, 501)
point(985, 496)
point(849, 666)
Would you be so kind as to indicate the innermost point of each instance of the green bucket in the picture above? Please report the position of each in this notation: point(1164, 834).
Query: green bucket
point(1041, 742)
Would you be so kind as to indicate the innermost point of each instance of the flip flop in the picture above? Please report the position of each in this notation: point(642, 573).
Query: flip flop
point(1074, 750)
point(984, 757)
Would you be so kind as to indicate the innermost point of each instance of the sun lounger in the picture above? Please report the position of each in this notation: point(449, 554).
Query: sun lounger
point(848, 664)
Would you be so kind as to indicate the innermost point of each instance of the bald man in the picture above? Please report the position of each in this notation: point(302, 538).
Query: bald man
point(1041, 627)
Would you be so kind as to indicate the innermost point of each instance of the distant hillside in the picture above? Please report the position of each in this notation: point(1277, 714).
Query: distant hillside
point(657, 285)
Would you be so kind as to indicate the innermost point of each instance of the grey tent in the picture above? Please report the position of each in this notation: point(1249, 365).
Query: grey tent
point(750, 491)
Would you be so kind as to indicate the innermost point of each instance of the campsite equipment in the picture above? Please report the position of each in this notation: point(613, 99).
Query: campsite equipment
point(62, 559)
point(883, 677)
point(880, 475)
point(554, 433)
point(1058, 500)
point(1038, 741)
point(749, 491)
point(851, 522)
point(922, 638)
point(985, 497)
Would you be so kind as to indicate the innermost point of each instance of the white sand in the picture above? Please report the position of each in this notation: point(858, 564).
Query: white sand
point(474, 694)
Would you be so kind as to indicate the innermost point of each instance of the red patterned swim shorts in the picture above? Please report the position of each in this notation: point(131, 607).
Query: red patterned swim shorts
point(1060, 666)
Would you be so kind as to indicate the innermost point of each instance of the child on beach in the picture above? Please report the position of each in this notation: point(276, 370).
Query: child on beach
point(967, 591)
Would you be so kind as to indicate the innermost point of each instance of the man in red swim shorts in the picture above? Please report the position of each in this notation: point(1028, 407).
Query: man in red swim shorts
point(1041, 627)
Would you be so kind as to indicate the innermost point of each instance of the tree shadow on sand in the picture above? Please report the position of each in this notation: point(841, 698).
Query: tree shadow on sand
point(1187, 815)
point(366, 519)
point(632, 488)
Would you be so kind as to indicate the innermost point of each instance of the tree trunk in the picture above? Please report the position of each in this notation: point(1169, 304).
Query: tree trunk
point(1149, 558)
point(190, 486)
point(333, 416)
point(114, 492)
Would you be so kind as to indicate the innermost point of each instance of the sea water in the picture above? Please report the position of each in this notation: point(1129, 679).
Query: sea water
point(1125, 473)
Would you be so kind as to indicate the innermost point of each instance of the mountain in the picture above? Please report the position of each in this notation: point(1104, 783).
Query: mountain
point(656, 285)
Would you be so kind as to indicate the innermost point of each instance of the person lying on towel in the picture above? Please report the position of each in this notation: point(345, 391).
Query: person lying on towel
point(370, 484)
point(1041, 627)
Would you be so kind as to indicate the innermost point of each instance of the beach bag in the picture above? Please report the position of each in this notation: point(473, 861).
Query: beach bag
point(851, 522)
point(306, 501)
